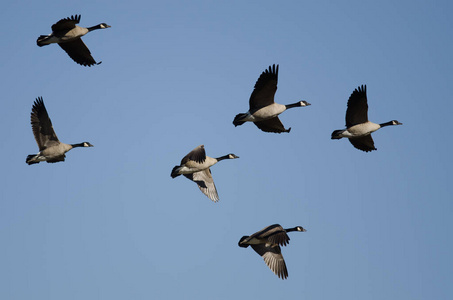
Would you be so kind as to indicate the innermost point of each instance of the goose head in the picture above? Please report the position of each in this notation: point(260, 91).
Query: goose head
point(297, 228)
point(300, 228)
point(389, 123)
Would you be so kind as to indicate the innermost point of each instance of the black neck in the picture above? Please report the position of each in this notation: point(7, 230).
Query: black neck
point(77, 145)
point(297, 104)
point(223, 157)
point(386, 124)
point(291, 229)
point(94, 27)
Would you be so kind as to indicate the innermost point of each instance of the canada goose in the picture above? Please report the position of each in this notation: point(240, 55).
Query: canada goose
point(263, 110)
point(195, 166)
point(358, 128)
point(50, 148)
point(68, 36)
point(267, 242)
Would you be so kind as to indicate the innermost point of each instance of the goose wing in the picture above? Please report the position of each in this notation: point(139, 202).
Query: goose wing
point(273, 258)
point(357, 112)
point(364, 143)
point(265, 88)
point(274, 234)
point(66, 24)
point(79, 52)
point(56, 159)
point(197, 155)
point(271, 125)
point(205, 183)
point(42, 127)
point(271, 235)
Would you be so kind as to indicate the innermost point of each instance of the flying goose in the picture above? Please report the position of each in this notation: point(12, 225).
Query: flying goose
point(267, 242)
point(50, 148)
point(263, 110)
point(68, 36)
point(358, 128)
point(195, 166)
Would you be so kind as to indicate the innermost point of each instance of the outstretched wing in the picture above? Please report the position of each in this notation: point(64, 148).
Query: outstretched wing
point(275, 234)
point(265, 88)
point(273, 258)
point(66, 24)
point(79, 52)
point(364, 143)
point(56, 159)
point(205, 183)
point(272, 125)
point(197, 155)
point(42, 127)
point(357, 112)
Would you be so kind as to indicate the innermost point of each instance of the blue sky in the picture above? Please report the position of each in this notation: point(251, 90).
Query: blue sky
point(110, 222)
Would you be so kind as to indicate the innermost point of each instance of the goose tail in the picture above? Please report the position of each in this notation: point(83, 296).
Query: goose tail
point(336, 135)
point(243, 245)
point(31, 159)
point(42, 40)
point(238, 119)
point(175, 172)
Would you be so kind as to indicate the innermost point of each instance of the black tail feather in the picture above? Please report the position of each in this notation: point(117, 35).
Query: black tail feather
point(237, 120)
point(335, 134)
point(29, 158)
point(174, 172)
point(40, 40)
point(240, 242)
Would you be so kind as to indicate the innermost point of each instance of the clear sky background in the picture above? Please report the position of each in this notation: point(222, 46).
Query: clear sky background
point(110, 222)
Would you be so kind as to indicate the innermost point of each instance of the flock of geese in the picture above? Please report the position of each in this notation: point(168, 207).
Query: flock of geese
point(263, 112)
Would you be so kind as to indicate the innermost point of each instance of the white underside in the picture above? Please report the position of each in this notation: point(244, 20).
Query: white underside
point(192, 167)
point(265, 113)
point(186, 170)
point(248, 118)
point(39, 157)
point(75, 33)
point(50, 40)
point(360, 130)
